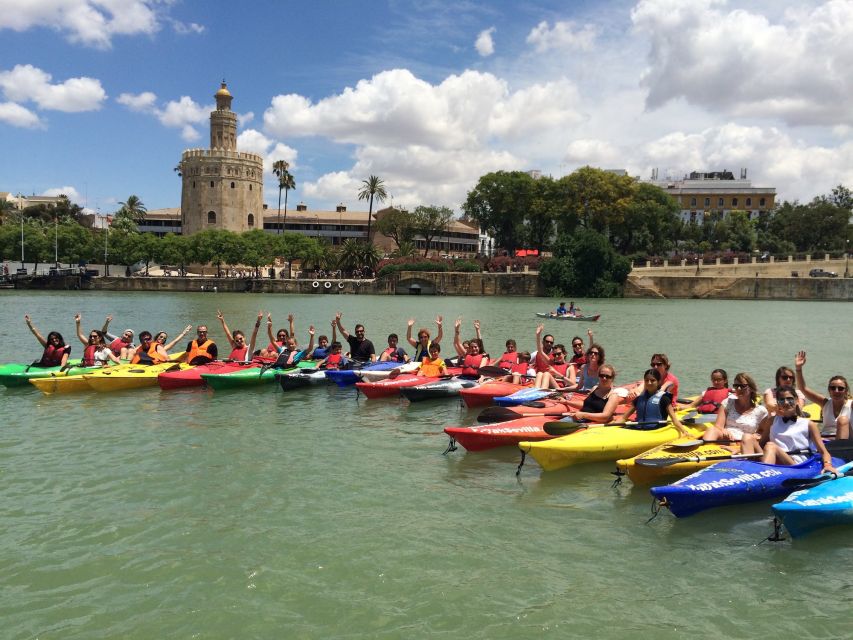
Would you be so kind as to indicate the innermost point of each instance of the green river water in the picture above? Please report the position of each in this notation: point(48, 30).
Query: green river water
point(316, 514)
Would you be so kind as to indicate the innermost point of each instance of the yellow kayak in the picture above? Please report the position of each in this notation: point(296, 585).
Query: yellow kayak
point(666, 462)
point(600, 444)
point(131, 376)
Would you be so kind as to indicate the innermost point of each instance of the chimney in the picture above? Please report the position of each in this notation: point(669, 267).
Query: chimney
point(302, 207)
point(340, 208)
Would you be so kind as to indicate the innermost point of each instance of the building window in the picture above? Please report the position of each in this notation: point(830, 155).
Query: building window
point(707, 202)
point(251, 220)
point(211, 184)
point(233, 185)
point(250, 187)
point(193, 184)
point(749, 202)
point(761, 203)
point(720, 202)
point(693, 201)
point(211, 217)
point(734, 202)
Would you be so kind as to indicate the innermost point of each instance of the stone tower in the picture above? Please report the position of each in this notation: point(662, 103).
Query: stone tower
point(221, 188)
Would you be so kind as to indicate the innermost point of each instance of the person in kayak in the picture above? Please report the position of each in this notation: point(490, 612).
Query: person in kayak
point(835, 408)
point(96, 353)
point(203, 350)
point(433, 366)
point(669, 383)
point(561, 309)
point(738, 418)
point(784, 377)
point(586, 376)
point(544, 348)
point(556, 374)
point(713, 396)
point(240, 350)
point(421, 345)
point(654, 404)
point(55, 352)
point(790, 431)
point(122, 345)
point(280, 339)
point(290, 354)
point(509, 358)
point(161, 337)
point(148, 352)
point(474, 356)
point(393, 353)
point(578, 355)
point(600, 404)
point(335, 359)
point(361, 349)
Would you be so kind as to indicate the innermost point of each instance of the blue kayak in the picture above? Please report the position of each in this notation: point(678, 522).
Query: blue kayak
point(522, 396)
point(346, 377)
point(734, 482)
point(825, 505)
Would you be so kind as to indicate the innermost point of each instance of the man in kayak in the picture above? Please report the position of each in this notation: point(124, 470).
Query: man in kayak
point(361, 349)
point(561, 310)
point(393, 353)
point(202, 350)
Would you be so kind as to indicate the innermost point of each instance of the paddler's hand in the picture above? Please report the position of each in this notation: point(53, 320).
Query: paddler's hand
point(410, 323)
point(311, 330)
point(219, 314)
point(77, 318)
point(439, 320)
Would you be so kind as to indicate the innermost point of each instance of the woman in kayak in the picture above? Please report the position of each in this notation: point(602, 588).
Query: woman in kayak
point(290, 354)
point(654, 404)
point(96, 353)
point(586, 375)
point(475, 356)
point(784, 378)
point(836, 408)
point(601, 402)
point(240, 351)
point(280, 339)
point(738, 418)
point(713, 396)
point(433, 366)
point(55, 352)
point(788, 438)
point(162, 336)
point(509, 358)
point(558, 375)
point(421, 345)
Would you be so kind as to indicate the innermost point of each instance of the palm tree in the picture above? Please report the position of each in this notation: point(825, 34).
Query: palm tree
point(374, 187)
point(406, 249)
point(286, 182)
point(133, 209)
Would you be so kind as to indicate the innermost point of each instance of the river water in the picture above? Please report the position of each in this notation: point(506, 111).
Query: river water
point(259, 514)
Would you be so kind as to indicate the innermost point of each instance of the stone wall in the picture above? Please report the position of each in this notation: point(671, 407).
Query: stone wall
point(738, 288)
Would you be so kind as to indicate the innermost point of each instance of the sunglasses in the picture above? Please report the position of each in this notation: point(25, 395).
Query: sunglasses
point(94, 335)
point(593, 353)
point(558, 353)
point(787, 400)
point(201, 332)
point(548, 341)
point(785, 376)
point(163, 338)
point(836, 388)
point(577, 345)
point(605, 376)
point(739, 385)
point(657, 364)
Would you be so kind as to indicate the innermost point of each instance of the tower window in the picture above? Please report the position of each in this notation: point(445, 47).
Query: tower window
point(720, 202)
point(693, 201)
point(250, 187)
point(211, 184)
point(211, 217)
point(251, 220)
point(232, 185)
point(193, 184)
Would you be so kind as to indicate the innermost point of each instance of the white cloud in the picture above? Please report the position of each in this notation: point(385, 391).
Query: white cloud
point(742, 63)
point(184, 114)
point(566, 35)
point(143, 102)
point(254, 141)
point(70, 192)
point(18, 116)
point(90, 22)
point(484, 44)
point(28, 83)
point(595, 153)
point(245, 118)
point(187, 28)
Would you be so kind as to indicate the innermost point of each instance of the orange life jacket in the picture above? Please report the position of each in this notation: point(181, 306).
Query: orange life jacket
point(197, 350)
point(151, 357)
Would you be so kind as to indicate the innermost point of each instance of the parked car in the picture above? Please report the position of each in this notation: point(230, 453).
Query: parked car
point(820, 273)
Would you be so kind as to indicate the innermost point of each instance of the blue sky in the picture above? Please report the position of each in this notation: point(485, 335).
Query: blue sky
point(99, 98)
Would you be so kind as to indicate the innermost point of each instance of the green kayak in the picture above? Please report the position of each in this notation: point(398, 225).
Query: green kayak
point(17, 374)
point(249, 377)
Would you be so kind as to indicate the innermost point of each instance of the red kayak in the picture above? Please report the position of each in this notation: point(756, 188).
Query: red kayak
point(502, 434)
point(192, 377)
point(391, 386)
point(485, 394)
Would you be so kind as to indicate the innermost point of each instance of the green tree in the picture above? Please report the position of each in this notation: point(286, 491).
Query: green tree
point(216, 246)
point(431, 221)
point(396, 224)
point(132, 209)
point(406, 249)
point(499, 203)
point(585, 264)
point(174, 250)
point(541, 213)
point(594, 199)
point(76, 243)
point(286, 182)
point(372, 188)
point(649, 223)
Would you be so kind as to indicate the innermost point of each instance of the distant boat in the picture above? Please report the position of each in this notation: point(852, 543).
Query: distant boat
point(554, 316)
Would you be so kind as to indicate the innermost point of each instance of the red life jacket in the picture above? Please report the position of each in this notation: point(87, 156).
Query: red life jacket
point(543, 361)
point(471, 364)
point(89, 355)
point(508, 360)
point(520, 367)
point(240, 355)
point(712, 399)
point(52, 356)
point(117, 345)
point(334, 361)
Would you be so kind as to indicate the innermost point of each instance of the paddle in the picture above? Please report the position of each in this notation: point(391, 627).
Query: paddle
point(799, 483)
point(668, 462)
point(565, 428)
point(502, 414)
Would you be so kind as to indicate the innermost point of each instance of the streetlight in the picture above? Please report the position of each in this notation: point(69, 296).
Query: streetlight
point(106, 245)
point(847, 264)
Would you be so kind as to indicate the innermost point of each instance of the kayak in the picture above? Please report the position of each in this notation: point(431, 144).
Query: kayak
point(68, 381)
point(373, 375)
point(18, 374)
point(444, 388)
point(520, 396)
point(825, 505)
point(501, 434)
point(734, 482)
point(392, 386)
point(300, 378)
point(249, 376)
point(485, 394)
point(132, 376)
point(347, 377)
point(667, 462)
point(554, 316)
point(599, 444)
point(181, 378)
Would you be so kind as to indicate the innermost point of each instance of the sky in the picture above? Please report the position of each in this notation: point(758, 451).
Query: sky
point(98, 98)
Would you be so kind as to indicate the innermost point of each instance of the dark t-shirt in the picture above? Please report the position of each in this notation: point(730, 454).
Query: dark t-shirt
point(212, 350)
point(360, 349)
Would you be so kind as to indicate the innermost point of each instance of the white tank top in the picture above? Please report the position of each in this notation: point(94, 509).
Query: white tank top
point(791, 435)
point(830, 420)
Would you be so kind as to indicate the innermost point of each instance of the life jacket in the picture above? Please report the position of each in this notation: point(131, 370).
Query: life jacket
point(648, 407)
point(393, 355)
point(712, 399)
point(89, 355)
point(520, 367)
point(432, 368)
point(320, 353)
point(275, 347)
point(117, 345)
point(422, 353)
point(578, 359)
point(334, 361)
point(52, 356)
point(200, 350)
point(471, 364)
point(240, 355)
point(542, 362)
point(287, 358)
point(508, 360)
point(149, 357)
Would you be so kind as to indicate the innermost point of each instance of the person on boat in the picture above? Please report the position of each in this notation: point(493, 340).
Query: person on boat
point(835, 408)
point(279, 340)
point(558, 375)
point(509, 358)
point(713, 396)
point(433, 365)
point(122, 345)
point(578, 355)
point(573, 310)
point(784, 377)
point(148, 352)
point(521, 369)
point(789, 431)
point(586, 376)
point(241, 351)
point(161, 337)
point(561, 309)
point(335, 359)
point(290, 354)
point(421, 345)
point(600, 404)
point(655, 404)
point(739, 417)
point(393, 353)
point(474, 356)
point(669, 382)
point(361, 349)
point(203, 350)
point(321, 350)
point(55, 352)
point(96, 353)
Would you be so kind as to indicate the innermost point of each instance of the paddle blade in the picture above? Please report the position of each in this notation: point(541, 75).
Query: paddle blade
point(659, 463)
point(492, 371)
point(498, 414)
point(563, 428)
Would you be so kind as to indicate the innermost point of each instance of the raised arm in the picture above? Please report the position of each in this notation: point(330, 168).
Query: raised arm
point(589, 336)
point(811, 394)
point(226, 330)
point(269, 328)
point(334, 332)
point(439, 334)
point(457, 343)
point(477, 333)
point(311, 332)
point(290, 324)
point(340, 327)
point(254, 337)
point(107, 321)
point(409, 339)
point(80, 336)
point(178, 338)
point(35, 331)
